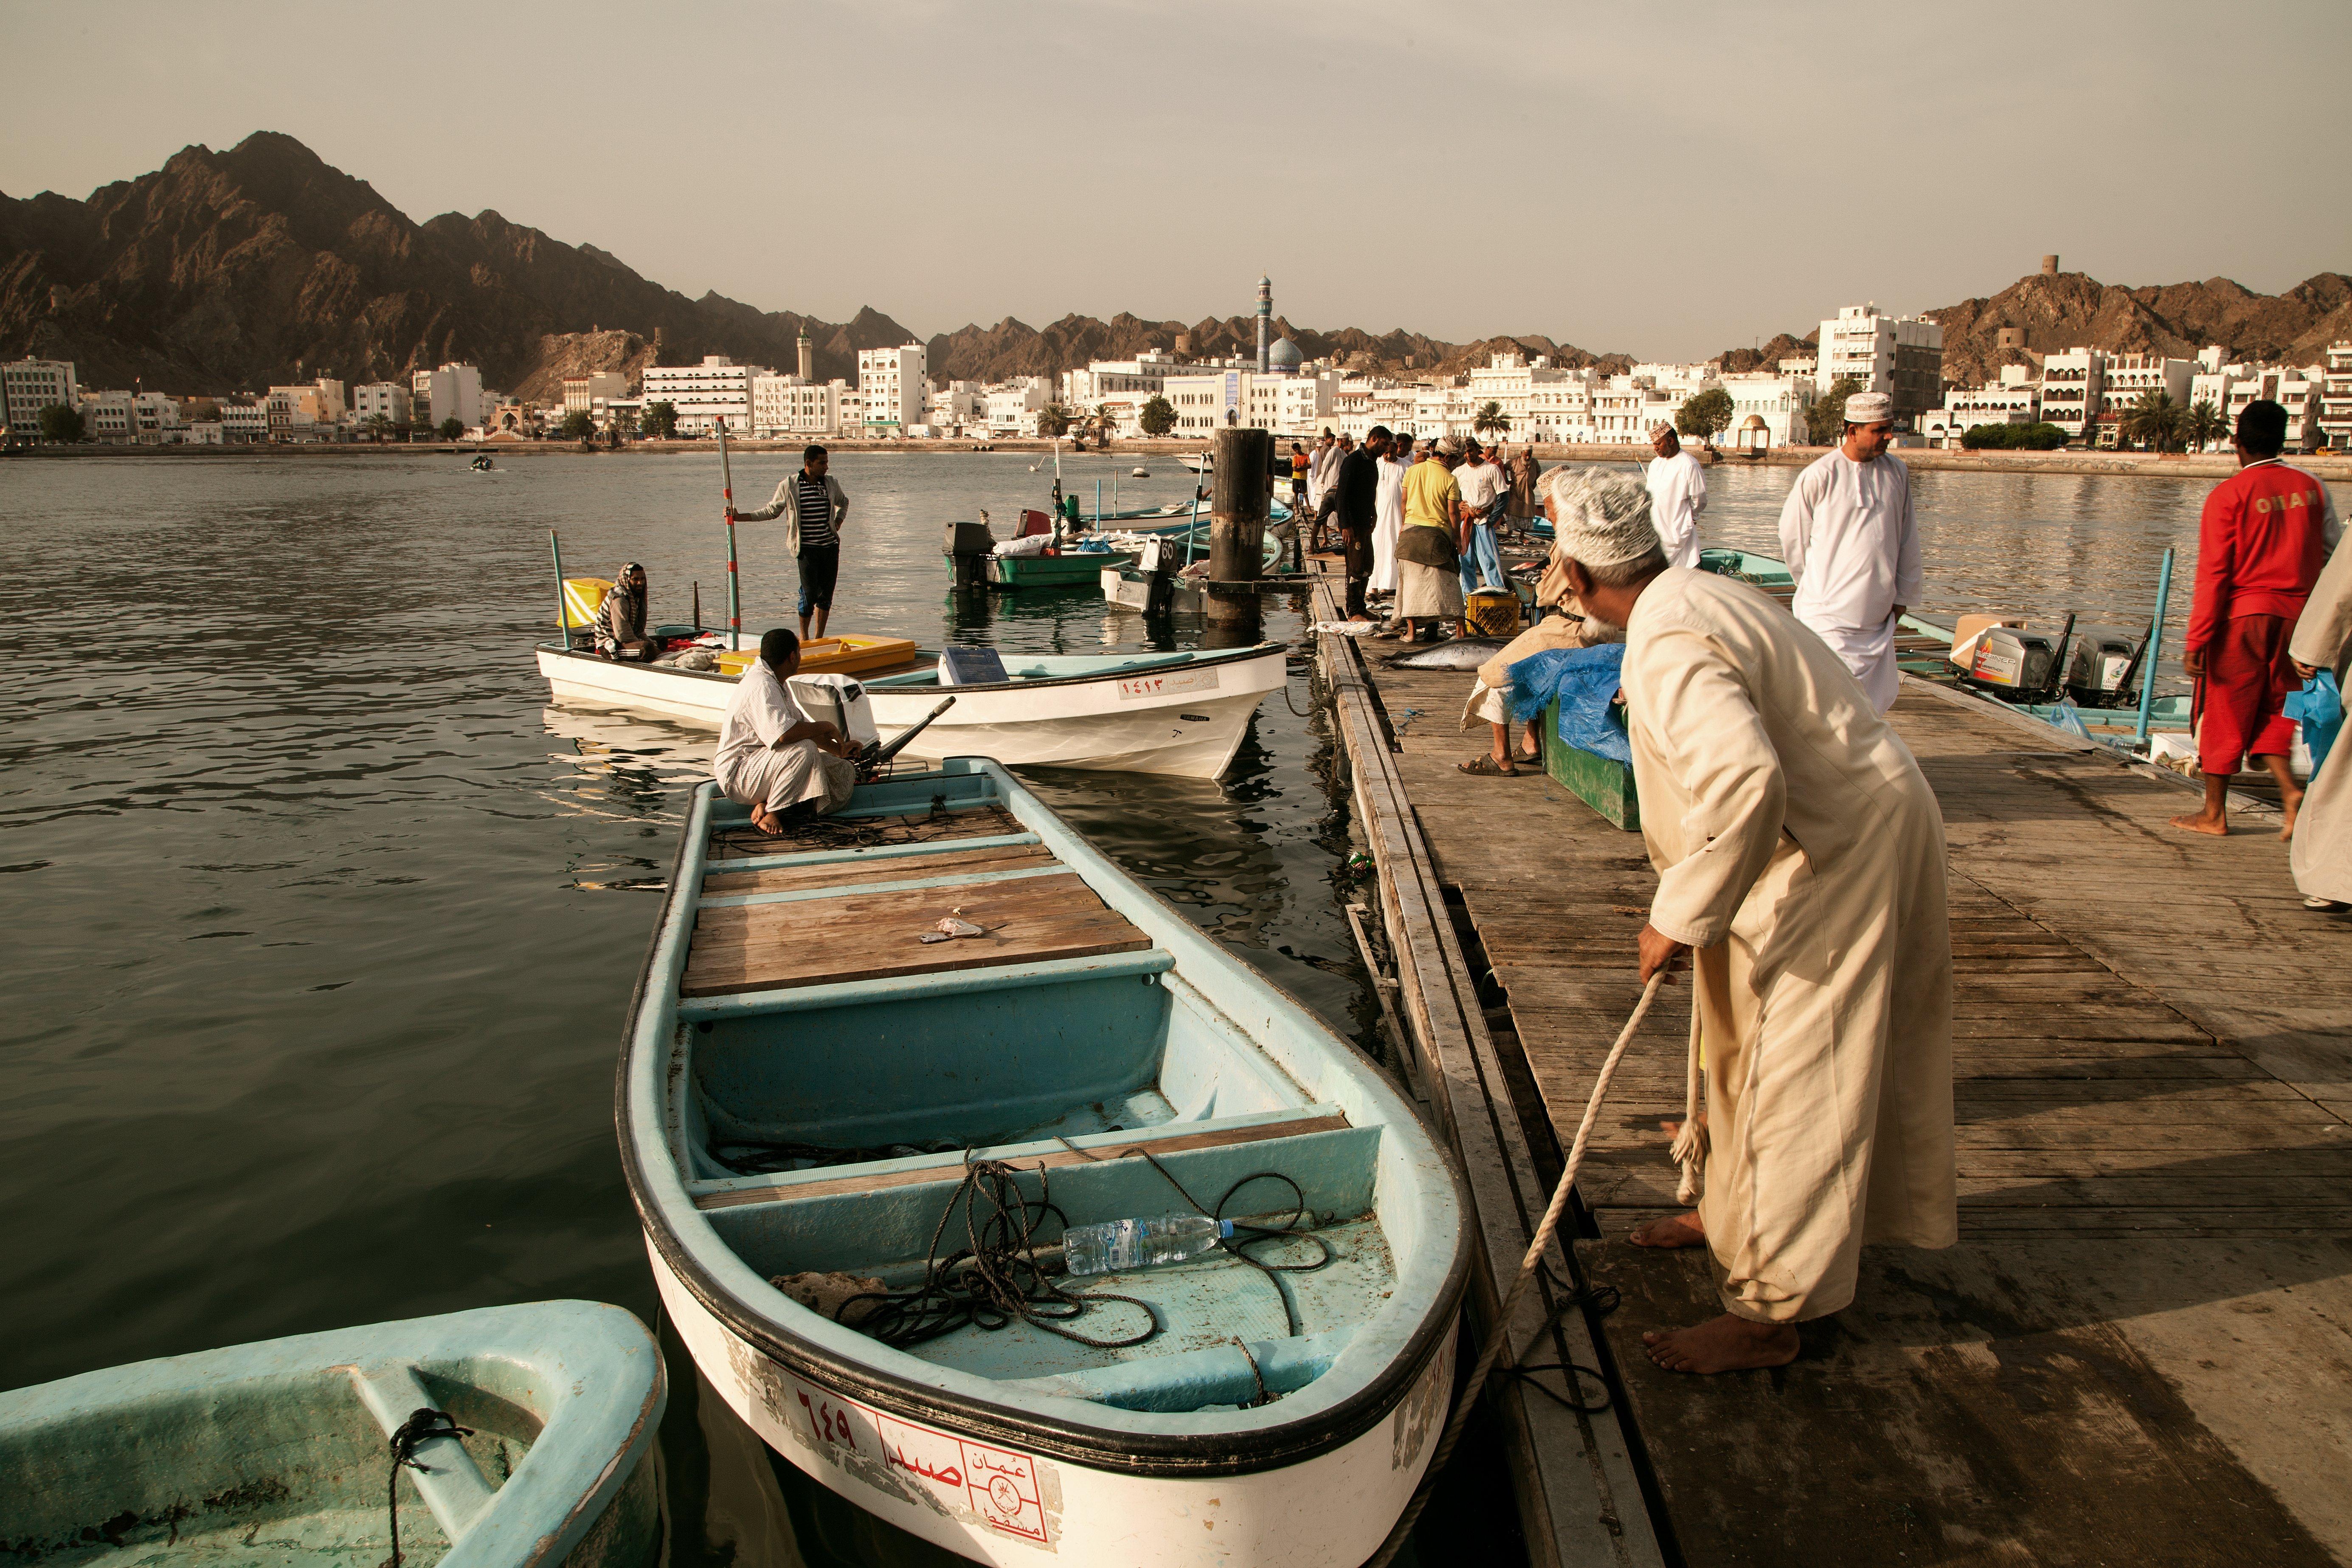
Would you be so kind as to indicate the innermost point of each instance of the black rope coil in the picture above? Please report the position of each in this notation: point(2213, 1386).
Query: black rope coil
point(421, 1426)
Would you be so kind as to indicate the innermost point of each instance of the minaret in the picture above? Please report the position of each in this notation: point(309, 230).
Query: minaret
point(808, 359)
point(1265, 321)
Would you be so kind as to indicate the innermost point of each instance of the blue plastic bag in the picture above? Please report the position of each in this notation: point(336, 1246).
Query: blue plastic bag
point(2320, 708)
point(1585, 680)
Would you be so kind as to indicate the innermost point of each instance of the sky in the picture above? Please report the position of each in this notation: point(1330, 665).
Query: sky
point(1669, 181)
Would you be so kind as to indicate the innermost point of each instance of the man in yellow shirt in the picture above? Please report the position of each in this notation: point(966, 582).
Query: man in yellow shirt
point(1429, 546)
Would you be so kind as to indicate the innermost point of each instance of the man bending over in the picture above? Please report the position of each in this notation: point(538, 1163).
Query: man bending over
point(773, 757)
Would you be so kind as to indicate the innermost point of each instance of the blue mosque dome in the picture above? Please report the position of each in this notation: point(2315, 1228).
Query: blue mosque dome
point(1284, 355)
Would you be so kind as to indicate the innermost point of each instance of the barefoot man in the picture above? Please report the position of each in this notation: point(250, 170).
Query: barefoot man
point(2261, 541)
point(1800, 863)
point(773, 757)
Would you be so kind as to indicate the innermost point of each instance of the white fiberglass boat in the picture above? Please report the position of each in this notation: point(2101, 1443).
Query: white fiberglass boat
point(1181, 713)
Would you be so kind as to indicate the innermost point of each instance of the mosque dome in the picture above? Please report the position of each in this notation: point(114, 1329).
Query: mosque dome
point(1284, 355)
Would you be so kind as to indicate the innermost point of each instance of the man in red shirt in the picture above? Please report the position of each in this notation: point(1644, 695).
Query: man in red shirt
point(2262, 537)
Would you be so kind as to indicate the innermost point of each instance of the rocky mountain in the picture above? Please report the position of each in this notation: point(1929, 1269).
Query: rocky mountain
point(234, 269)
point(2068, 310)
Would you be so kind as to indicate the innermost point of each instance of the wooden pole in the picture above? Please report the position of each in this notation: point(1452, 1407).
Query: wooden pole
point(563, 606)
point(1240, 487)
point(734, 593)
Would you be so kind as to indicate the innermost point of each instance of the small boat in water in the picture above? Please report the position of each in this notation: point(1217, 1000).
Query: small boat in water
point(1182, 713)
point(856, 1143)
point(190, 1458)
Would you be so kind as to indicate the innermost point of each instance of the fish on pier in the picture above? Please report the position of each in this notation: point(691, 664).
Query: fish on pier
point(1459, 653)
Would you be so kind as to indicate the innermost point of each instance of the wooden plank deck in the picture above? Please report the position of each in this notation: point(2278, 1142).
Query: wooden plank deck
point(2142, 1348)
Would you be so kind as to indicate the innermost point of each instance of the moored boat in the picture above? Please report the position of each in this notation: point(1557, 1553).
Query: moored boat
point(1182, 713)
point(817, 1108)
point(193, 1457)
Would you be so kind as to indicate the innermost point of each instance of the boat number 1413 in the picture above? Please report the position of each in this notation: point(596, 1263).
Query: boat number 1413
point(1141, 686)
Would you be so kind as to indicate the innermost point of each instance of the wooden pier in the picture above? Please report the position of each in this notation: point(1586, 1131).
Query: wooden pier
point(2141, 1351)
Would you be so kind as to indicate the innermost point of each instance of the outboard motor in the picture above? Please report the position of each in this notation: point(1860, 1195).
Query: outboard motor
point(968, 548)
point(2100, 668)
point(838, 700)
point(2010, 661)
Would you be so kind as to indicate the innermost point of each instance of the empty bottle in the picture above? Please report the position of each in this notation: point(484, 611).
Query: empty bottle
point(1140, 1242)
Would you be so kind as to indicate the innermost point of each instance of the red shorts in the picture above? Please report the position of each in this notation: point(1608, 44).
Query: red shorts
point(2240, 699)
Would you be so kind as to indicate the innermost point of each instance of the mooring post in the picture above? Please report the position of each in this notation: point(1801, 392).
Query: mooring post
point(1241, 486)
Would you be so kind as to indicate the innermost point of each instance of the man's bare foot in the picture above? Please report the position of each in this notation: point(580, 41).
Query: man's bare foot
point(1674, 1230)
point(2291, 804)
point(766, 821)
point(2197, 822)
point(1722, 1344)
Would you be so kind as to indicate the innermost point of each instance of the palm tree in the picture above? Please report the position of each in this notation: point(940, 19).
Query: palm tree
point(2154, 421)
point(2205, 425)
point(1491, 420)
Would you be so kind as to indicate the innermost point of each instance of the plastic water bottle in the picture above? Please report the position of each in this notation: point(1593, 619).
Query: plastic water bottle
point(1140, 1242)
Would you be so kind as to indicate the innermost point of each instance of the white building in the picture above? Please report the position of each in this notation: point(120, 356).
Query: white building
point(1011, 407)
point(110, 417)
point(704, 394)
point(1902, 356)
point(244, 419)
point(2298, 391)
point(2127, 378)
point(2335, 396)
point(385, 400)
point(2071, 383)
point(783, 406)
point(890, 382)
point(29, 385)
point(1767, 410)
point(593, 392)
point(1138, 380)
point(453, 392)
point(155, 419)
point(958, 407)
point(2013, 399)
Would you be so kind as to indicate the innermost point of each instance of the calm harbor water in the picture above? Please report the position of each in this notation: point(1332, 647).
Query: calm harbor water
point(321, 921)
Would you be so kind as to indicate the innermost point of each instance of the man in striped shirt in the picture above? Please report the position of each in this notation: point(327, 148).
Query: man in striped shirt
point(813, 508)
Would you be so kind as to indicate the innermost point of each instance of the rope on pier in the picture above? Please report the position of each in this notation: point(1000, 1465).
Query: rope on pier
point(1500, 1336)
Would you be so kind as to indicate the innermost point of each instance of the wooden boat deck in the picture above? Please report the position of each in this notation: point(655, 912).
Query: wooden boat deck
point(2139, 1351)
point(850, 899)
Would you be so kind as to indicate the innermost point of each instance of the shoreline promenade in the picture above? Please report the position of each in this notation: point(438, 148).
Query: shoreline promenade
point(2140, 1351)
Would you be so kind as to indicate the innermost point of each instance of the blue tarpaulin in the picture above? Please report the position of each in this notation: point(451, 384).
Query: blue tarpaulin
point(1585, 680)
point(2319, 708)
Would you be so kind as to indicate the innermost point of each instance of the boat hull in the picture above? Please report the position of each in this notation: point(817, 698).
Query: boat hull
point(1187, 721)
point(1328, 1511)
point(1076, 569)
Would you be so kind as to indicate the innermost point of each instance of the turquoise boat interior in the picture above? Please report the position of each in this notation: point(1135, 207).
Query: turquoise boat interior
point(1103, 1029)
point(277, 1453)
point(1022, 666)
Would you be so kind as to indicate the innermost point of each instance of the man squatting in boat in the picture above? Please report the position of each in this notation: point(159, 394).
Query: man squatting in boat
point(772, 757)
point(620, 628)
point(1800, 855)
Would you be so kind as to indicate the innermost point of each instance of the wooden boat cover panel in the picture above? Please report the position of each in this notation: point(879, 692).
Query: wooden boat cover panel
point(989, 821)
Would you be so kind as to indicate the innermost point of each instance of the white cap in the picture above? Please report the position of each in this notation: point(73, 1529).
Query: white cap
point(1869, 408)
point(1604, 516)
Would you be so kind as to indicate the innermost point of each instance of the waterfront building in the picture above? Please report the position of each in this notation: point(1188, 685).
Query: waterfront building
point(1013, 406)
point(958, 407)
point(2335, 396)
point(1144, 377)
point(155, 419)
point(243, 420)
point(385, 400)
point(2071, 383)
point(2298, 391)
point(2127, 378)
point(1902, 356)
point(592, 393)
point(307, 411)
point(29, 385)
point(108, 418)
point(1767, 410)
point(2015, 398)
point(704, 394)
point(452, 391)
point(1806, 367)
point(891, 383)
point(786, 405)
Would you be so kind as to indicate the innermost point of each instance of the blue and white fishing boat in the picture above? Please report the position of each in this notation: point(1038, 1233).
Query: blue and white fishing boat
point(855, 1142)
point(537, 1451)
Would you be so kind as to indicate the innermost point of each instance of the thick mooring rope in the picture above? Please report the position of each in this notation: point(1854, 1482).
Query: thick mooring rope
point(1500, 1336)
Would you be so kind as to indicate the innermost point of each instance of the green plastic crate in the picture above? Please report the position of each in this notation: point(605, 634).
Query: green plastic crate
point(1605, 785)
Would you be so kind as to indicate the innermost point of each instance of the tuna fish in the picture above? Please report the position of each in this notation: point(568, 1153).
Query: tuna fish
point(1461, 653)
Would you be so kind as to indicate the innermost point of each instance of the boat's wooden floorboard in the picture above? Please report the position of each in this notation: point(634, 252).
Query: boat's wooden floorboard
point(877, 932)
point(917, 827)
point(2141, 1351)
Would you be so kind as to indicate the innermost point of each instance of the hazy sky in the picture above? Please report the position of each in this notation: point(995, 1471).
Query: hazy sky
point(1671, 182)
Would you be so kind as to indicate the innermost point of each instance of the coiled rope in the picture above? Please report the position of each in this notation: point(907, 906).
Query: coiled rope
point(1500, 1336)
point(422, 1426)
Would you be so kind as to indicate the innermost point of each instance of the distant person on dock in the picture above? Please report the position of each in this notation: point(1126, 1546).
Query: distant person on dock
point(1388, 515)
point(1677, 487)
point(2261, 541)
point(1525, 504)
point(2322, 854)
point(1483, 485)
point(1359, 492)
point(1429, 547)
point(1297, 478)
point(1322, 467)
point(1852, 546)
point(1800, 855)
point(772, 757)
point(620, 619)
point(1328, 509)
point(813, 507)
